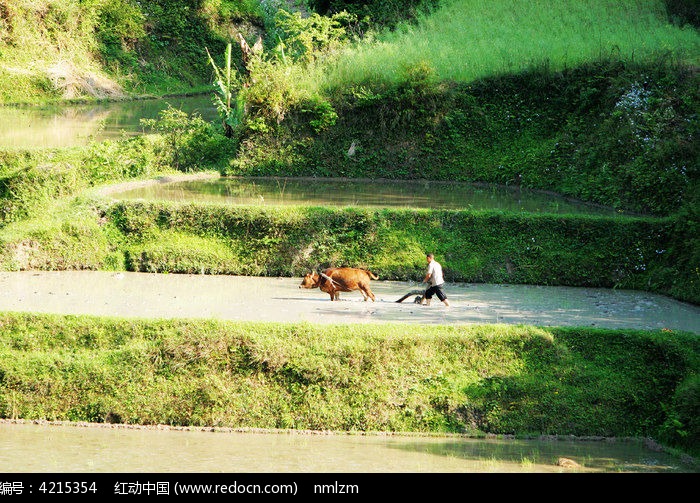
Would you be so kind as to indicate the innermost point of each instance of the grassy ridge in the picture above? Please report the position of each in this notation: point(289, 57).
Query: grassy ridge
point(469, 379)
point(477, 246)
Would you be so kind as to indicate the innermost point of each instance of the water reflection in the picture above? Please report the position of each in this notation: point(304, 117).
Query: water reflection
point(366, 193)
point(75, 125)
point(45, 447)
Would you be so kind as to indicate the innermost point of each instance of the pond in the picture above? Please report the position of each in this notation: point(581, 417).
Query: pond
point(282, 191)
point(30, 127)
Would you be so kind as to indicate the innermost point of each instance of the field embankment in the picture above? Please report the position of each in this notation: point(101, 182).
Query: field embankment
point(470, 379)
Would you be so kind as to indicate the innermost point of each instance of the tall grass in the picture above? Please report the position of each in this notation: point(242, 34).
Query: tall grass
point(470, 39)
point(46, 47)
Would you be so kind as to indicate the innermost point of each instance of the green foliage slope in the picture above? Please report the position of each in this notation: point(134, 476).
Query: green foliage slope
point(623, 135)
point(469, 379)
point(53, 50)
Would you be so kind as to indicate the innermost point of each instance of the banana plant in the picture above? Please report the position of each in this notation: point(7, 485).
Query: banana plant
point(227, 99)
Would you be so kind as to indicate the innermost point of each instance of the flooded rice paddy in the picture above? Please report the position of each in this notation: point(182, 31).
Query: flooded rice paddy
point(29, 127)
point(29, 447)
point(146, 295)
point(47, 447)
point(275, 191)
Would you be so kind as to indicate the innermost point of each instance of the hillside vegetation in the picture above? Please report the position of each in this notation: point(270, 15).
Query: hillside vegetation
point(618, 128)
point(468, 40)
point(597, 100)
point(72, 49)
point(112, 49)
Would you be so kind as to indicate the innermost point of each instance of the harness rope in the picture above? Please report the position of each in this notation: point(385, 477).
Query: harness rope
point(328, 278)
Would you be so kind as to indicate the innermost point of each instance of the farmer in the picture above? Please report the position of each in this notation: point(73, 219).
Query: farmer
point(434, 277)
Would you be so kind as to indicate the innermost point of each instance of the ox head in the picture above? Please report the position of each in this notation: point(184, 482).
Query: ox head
point(311, 280)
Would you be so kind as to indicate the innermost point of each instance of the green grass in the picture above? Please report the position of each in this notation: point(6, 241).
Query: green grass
point(472, 39)
point(474, 379)
point(56, 50)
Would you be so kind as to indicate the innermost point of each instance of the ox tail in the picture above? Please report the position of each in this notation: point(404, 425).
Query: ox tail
point(372, 275)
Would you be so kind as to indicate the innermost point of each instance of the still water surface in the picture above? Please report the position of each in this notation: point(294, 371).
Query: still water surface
point(76, 125)
point(277, 191)
point(28, 447)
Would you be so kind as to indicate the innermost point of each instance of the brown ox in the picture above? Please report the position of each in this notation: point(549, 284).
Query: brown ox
point(340, 279)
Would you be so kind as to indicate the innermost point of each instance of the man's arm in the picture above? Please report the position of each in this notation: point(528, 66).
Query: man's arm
point(428, 273)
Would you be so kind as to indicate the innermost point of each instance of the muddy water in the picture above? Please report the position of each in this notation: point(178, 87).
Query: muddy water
point(76, 448)
point(144, 295)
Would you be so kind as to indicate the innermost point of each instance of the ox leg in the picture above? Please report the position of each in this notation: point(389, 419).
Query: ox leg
point(366, 292)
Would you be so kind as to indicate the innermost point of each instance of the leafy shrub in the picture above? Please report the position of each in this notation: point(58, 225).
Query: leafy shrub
point(322, 111)
point(118, 160)
point(271, 89)
point(379, 13)
point(682, 426)
point(307, 38)
point(189, 142)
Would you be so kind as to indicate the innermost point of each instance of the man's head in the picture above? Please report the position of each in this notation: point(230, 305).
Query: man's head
point(429, 257)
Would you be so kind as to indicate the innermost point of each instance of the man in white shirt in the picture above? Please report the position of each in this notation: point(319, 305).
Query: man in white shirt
point(434, 277)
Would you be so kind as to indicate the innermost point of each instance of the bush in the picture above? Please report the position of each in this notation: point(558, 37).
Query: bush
point(683, 11)
point(682, 426)
point(378, 13)
point(189, 143)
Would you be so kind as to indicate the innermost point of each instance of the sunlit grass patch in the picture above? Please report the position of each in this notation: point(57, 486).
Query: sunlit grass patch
point(468, 40)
